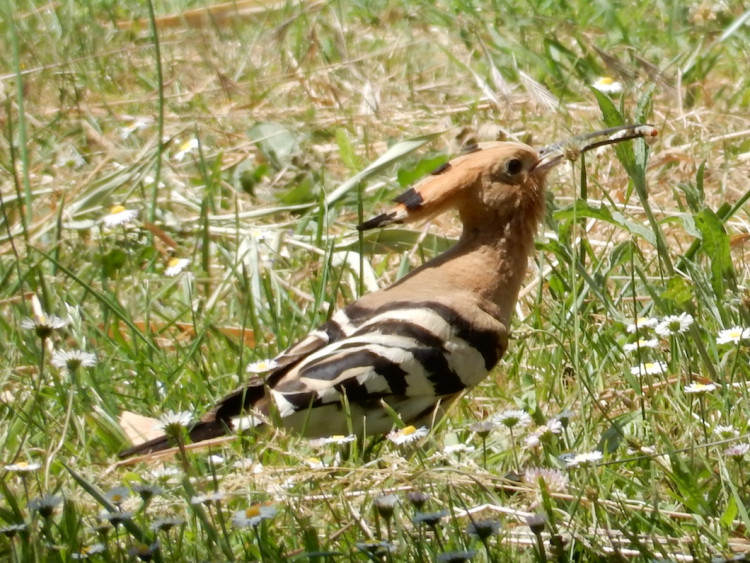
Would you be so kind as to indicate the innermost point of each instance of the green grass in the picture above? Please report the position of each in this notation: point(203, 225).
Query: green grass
point(289, 157)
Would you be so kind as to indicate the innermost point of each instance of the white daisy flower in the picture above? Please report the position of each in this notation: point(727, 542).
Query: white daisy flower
point(533, 440)
point(555, 480)
point(641, 343)
point(430, 519)
point(185, 148)
point(118, 495)
point(23, 467)
point(165, 473)
point(385, 504)
point(136, 124)
point(607, 85)
point(166, 524)
point(262, 366)
point(483, 529)
point(314, 463)
point(69, 158)
point(586, 458)
point(115, 518)
point(407, 435)
point(207, 498)
point(726, 431)
point(458, 448)
point(336, 439)
point(170, 420)
point(536, 522)
point(642, 323)
point(641, 450)
point(513, 417)
point(11, 530)
point(175, 266)
point(484, 427)
point(149, 180)
point(738, 450)
point(87, 551)
point(72, 360)
point(674, 324)
point(733, 335)
point(649, 368)
point(253, 515)
point(261, 235)
point(119, 215)
point(700, 388)
point(552, 426)
point(43, 324)
point(45, 505)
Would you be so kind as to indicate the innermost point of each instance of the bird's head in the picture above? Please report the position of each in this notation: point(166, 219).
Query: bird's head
point(496, 181)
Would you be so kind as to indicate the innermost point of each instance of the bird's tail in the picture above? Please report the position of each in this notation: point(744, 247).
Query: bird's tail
point(201, 431)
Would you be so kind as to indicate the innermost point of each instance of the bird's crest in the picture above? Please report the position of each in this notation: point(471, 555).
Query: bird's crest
point(436, 192)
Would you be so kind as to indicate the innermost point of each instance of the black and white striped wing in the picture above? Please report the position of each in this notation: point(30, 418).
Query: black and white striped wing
point(410, 355)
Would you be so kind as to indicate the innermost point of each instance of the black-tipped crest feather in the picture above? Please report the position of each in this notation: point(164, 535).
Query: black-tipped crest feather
point(411, 199)
point(380, 221)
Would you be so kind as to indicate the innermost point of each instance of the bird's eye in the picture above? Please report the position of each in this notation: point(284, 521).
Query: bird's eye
point(513, 166)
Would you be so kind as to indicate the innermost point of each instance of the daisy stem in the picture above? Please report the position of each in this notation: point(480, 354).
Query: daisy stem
point(707, 363)
point(728, 399)
point(642, 393)
point(117, 542)
point(183, 453)
point(541, 552)
point(222, 522)
point(13, 549)
point(484, 452)
point(37, 383)
point(26, 487)
point(436, 533)
point(63, 434)
point(486, 543)
point(40, 379)
point(703, 419)
point(260, 544)
point(421, 457)
point(513, 448)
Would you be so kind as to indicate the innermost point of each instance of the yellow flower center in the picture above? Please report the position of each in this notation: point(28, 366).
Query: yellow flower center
point(116, 209)
point(407, 430)
point(252, 511)
point(173, 262)
point(606, 81)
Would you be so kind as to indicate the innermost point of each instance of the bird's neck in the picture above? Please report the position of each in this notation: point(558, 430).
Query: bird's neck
point(489, 261)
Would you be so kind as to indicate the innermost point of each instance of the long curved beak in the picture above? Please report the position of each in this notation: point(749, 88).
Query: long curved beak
point(571, 149)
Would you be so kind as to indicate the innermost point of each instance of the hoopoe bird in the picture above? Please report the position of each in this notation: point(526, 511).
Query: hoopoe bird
point(420, 343)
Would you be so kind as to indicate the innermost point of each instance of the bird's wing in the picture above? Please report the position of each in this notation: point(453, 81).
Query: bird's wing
point(409, 354)
point(251, 395)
